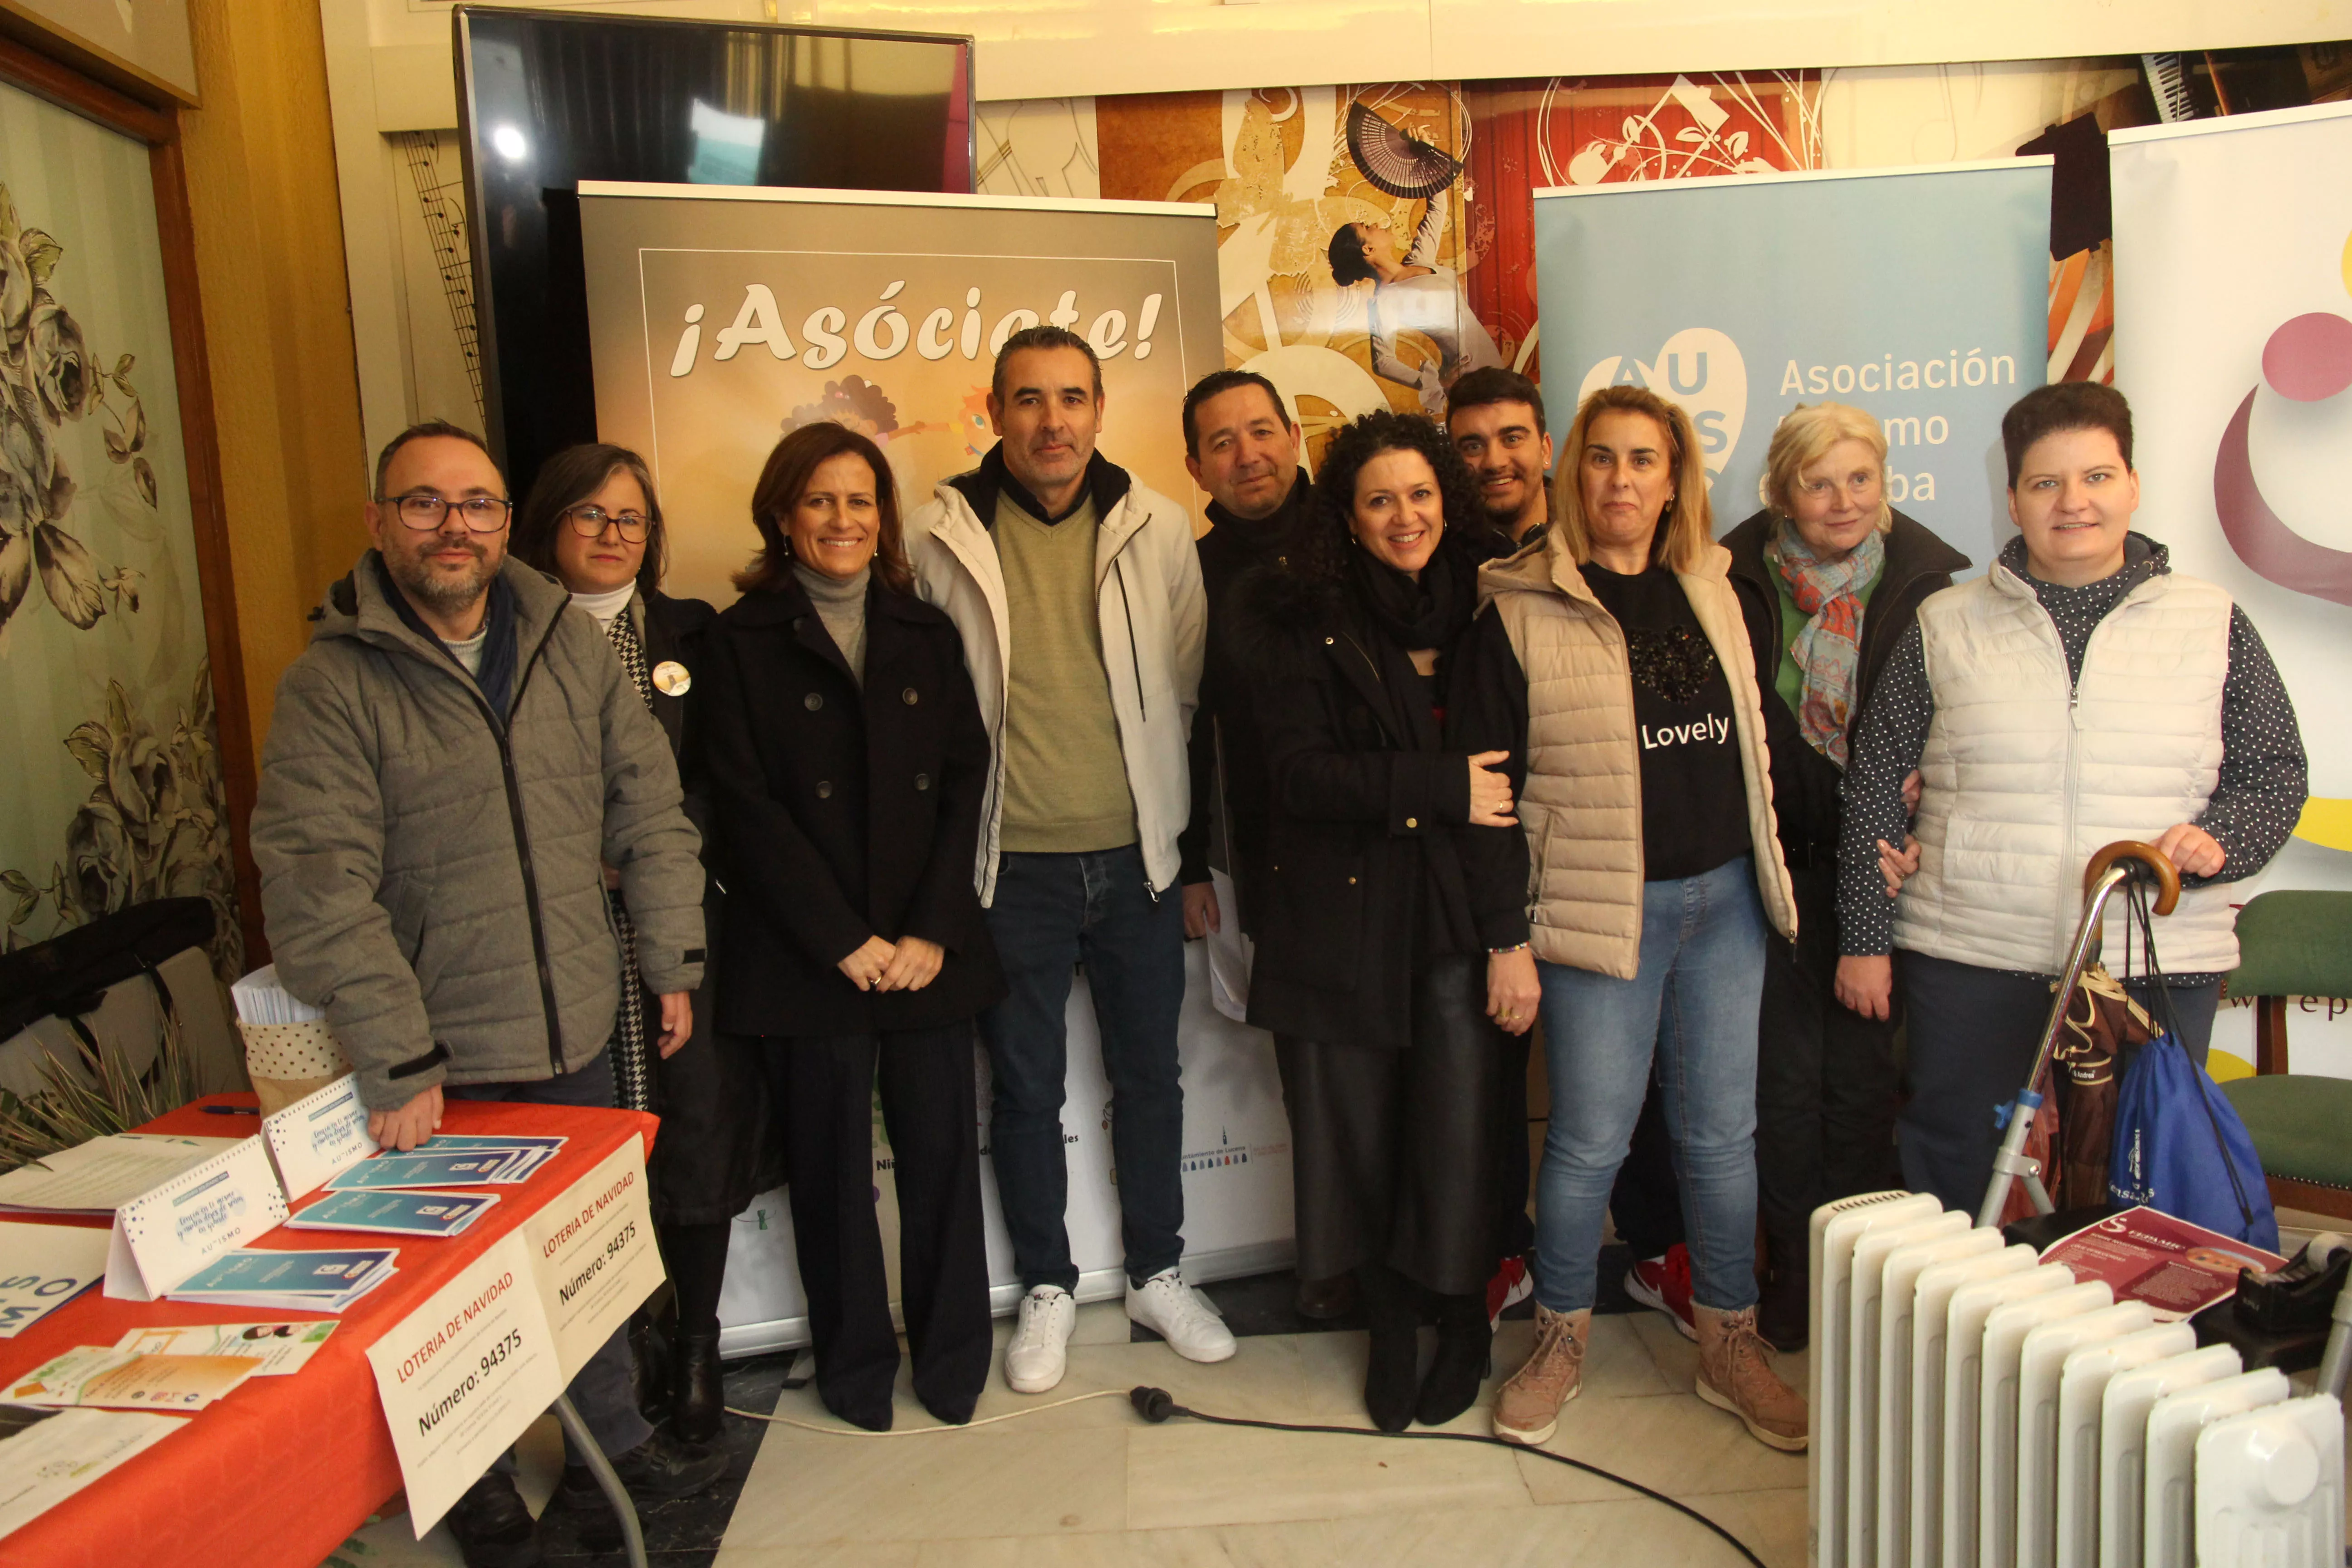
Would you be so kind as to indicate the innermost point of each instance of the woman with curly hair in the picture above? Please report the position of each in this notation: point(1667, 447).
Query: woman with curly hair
point(1370, 970)
point(1613, 666)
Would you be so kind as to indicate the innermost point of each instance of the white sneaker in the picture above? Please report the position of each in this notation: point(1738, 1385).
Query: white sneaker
point(1040, 1350)
point(1187, 1320)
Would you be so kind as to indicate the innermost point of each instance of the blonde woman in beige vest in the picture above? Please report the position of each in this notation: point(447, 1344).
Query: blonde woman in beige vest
point(1613, 665)
point(2080, 692)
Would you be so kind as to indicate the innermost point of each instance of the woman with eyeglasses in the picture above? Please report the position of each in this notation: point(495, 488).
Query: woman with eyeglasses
point(848, 767)
point(591, 520)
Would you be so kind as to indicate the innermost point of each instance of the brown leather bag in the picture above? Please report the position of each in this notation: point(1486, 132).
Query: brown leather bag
point(2102, 1023)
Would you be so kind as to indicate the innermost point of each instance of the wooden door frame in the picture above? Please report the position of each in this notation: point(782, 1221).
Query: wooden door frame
point(158, 126)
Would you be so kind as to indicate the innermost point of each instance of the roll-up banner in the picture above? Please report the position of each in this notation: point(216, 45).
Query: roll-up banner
point(1921, 294)
point(2233, 341)
point(720, 318)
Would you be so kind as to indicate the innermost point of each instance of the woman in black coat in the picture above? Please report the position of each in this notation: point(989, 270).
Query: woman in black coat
point(1370, 970)
point(1829, 577)
point(592, 520)
point(848, 765)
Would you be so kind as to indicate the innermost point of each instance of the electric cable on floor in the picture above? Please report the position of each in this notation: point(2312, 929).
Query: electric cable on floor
point(921, 1431)
point(1157, 1405)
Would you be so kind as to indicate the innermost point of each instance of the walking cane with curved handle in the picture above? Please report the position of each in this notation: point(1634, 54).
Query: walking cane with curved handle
point(2113, 866)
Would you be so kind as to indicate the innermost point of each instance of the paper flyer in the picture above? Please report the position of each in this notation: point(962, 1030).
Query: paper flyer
point(463, 1374)
point(101, 1175)
point(43, 1266)
point(282, 1348)
point(48, 1462)
point(127, 1379)
point(2146, 1254)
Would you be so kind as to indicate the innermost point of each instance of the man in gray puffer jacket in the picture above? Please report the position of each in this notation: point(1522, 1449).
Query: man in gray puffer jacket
point(454, 761)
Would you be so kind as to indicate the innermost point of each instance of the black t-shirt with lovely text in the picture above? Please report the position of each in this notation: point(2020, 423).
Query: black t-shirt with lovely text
point(1694, 799)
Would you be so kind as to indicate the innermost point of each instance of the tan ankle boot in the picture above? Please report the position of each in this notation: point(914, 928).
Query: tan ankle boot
point(1735, 1374)
point(1526, 1409)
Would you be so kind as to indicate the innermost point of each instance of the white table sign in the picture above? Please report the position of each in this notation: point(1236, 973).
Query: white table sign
point(462, 1376)
point(593, 1255)
point(320, 1136)
point(164, 1235)
point(43, 1266)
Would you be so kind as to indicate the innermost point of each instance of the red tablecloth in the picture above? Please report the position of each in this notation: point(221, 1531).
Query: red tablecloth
point(284, 1468)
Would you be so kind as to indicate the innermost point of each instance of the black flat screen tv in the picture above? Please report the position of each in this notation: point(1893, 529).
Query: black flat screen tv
point(546, 99)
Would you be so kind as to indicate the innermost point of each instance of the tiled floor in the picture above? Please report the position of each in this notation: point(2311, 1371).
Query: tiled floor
point(1089, 1483)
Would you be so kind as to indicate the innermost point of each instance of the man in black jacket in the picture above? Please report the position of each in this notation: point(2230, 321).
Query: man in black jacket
point(1242, 446)
point(1496, 419)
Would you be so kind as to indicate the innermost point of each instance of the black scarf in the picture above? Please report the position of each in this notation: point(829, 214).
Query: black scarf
point(1262, 535)
point(1430, 613)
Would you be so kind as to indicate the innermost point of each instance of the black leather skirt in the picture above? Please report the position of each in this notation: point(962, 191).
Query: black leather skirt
point(1398, 1154)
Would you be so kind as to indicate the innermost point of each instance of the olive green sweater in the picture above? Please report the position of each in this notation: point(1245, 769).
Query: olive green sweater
point(1065, 787)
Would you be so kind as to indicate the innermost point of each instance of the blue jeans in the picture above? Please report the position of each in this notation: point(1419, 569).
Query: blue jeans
point(1051, 913)
point(600, 1390)
point(1694, 1003)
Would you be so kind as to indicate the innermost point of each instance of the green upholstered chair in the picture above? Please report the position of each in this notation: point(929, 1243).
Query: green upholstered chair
point(2295, 943)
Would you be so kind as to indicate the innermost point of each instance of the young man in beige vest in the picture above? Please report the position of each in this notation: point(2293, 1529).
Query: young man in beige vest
point(1078, 594)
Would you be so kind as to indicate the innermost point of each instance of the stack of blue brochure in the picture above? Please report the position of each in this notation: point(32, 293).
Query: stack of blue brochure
point(395, 1213)
point(450, 1161)
point(290, 1282)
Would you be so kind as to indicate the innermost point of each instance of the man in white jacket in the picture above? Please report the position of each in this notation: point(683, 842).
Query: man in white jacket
point(1078, 594)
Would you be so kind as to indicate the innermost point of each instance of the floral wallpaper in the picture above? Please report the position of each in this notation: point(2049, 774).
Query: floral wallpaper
point(115, 793)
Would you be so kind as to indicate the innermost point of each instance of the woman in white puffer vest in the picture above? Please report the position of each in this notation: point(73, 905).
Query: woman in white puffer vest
point(2079, 693)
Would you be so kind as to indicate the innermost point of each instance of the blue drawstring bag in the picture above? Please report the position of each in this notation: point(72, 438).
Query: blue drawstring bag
point(2180, 1148)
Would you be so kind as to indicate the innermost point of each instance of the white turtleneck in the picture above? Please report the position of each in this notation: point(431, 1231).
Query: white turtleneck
point(606, 607)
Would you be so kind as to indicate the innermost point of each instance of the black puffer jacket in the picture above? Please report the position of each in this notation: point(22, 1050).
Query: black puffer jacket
point(1364, 881)
point(1805, 782)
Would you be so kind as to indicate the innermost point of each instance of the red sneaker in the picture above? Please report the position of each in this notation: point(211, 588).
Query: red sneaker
point(1511, 1285)
point(1664, 1285)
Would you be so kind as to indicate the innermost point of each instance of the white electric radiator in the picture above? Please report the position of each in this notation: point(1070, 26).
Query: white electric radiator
point(1973, 1407)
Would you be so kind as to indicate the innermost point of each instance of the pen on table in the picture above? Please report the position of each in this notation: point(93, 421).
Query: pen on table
point(230, 1109)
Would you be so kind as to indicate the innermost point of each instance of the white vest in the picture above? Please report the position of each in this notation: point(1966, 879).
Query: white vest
point(2024, 779)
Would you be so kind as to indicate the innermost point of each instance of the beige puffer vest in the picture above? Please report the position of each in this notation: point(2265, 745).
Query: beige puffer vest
point(2027, 774)
point(1581, 808)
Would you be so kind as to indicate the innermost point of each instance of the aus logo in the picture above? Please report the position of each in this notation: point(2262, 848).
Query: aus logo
point(1701, 369)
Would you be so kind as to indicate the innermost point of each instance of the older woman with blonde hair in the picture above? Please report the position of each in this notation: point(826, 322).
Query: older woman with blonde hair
point(1830, 576)
point(1632, 903)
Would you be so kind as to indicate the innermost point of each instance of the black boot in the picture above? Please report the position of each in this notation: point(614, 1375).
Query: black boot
point(1395, 1349)
point(1784, 1311)
point(493, 1527)
point(650, 1356)
point(1325, 1299)
point(697, 1391)
point(1465, 1341)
